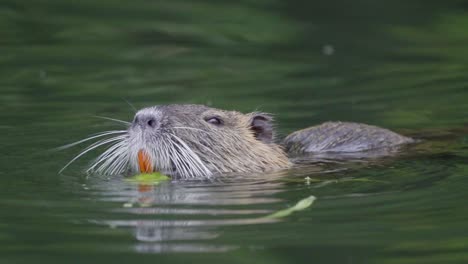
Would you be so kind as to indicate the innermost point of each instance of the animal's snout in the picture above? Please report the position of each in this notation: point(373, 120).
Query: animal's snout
point(146, 120)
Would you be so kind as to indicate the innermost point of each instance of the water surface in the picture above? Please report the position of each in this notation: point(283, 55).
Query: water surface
point(394, 64)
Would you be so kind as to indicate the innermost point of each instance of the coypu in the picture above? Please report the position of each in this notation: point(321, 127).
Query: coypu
point(196, 141)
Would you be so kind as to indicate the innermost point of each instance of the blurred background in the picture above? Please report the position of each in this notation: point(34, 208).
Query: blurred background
point(396, 64)
point(400, 64)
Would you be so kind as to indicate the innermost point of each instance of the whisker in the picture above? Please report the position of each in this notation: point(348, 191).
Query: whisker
point(162, 156)
point(180, 163)
point(191, 128)
point(115, 120)
point(90, 148)
point(130, 104)
point(104, 164)
point(121, 165)
point(119, 159)
point(106, 133)
point(207, 149)
point(103, 132)
point(108, 154)
point(114, 165)
point(194, 157)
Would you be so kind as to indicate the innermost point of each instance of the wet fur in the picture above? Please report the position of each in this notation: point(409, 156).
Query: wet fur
point(184, 145)
point(181, 143)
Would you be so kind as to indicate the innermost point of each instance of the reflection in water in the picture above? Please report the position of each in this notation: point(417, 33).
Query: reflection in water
point(197, 216)
point(160, 248)
point(161, 221)
point(184, 216)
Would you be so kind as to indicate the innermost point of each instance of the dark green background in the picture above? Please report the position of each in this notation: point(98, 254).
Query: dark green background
point(396, 64)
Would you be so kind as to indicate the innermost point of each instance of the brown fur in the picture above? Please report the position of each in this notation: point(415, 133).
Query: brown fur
point(242, 143)
point(196, 141)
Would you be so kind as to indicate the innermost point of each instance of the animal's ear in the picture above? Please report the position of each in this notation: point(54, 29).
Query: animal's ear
point(262, 126)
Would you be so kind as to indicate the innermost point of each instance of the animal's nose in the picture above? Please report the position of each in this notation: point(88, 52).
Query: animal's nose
point(146, 121)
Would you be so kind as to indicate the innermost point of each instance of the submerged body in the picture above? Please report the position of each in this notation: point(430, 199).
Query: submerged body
point(342, 137)
point(196, 141)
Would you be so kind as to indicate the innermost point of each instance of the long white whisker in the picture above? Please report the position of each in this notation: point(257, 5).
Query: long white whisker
point(111, 151)
point(120, 165)
point(90, 148)
point(106, 133)
point(162, 156)
point(197, 161)
point(200, 145)
point(192, 155)
point(130, 104)
point(207, 149)
point(114, 164)
point(119, 160)
point(191, 128)
point(180, 163)
point(176, 158)
point(115, 120)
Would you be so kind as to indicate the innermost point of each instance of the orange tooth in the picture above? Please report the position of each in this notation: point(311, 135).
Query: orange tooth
point(144, 162)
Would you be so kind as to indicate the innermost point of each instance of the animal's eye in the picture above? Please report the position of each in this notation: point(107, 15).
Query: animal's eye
point(214, 120)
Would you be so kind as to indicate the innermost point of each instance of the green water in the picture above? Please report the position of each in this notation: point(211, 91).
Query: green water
point(397, 64)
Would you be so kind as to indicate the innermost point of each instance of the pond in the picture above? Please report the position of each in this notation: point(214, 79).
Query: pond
point(395, 64)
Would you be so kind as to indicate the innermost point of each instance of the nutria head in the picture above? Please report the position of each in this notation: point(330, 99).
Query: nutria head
point(194, 141)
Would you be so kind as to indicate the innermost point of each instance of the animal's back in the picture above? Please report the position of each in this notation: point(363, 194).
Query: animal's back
point(342, 137)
